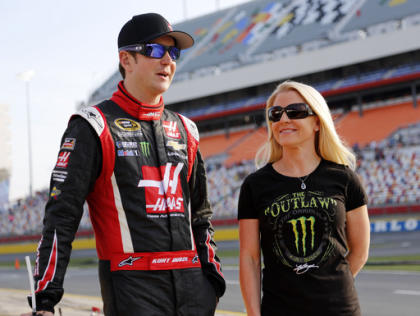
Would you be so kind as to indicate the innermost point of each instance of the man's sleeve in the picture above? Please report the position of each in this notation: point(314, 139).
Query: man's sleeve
point(202, 229)
point(78, 165)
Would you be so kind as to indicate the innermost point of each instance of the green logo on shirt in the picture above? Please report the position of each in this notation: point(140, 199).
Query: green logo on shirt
point(305, 223)
point(145, 148)
point(297, 201)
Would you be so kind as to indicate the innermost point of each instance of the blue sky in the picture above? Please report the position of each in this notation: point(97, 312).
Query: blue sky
point(72, 47)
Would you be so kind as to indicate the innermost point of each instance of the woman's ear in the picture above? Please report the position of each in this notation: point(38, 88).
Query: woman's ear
point(317, 125)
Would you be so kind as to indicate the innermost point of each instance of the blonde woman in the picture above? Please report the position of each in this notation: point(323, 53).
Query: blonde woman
point(305, 208)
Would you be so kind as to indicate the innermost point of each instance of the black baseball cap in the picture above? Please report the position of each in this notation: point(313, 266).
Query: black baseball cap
point(143, 28)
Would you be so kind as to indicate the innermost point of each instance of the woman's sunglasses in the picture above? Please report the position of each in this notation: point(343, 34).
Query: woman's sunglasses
point(294, 111)
point(153, 50)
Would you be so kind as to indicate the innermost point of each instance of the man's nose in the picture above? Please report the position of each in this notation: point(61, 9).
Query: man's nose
point(166, 59)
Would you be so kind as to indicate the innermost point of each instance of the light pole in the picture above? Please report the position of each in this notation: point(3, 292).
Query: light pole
point(184, 2)
point(26, 76)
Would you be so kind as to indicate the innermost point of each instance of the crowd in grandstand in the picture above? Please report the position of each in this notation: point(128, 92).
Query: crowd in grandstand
point(24, 216)
point(390, 170)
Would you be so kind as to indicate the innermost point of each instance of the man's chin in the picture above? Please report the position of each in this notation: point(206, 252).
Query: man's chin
point(162, 88)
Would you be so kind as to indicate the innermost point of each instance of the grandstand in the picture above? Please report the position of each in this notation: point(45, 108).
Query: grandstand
point(5, 162)
point(363, 57)
point(359, 54)
point(264, 41)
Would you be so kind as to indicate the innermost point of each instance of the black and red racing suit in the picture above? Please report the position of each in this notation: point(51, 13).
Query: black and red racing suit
point(142, 175)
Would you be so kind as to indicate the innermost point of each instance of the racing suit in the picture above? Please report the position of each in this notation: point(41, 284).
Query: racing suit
point(142, 175)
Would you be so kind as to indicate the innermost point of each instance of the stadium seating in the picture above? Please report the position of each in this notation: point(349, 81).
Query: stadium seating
point(329, 86)
point(257, 31)
point(389, 168)
point(386, 137)
point(377, 123)
point(379, 12)
point(220, 143)
point(245, 150)
point(261, 27)
point(391, 178)
point(24, 216)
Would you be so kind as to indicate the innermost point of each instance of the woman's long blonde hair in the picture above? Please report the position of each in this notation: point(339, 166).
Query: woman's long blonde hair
point(328, 144)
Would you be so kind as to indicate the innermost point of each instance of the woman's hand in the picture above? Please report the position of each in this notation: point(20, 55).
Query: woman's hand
point(358, 238)
point(250, 265)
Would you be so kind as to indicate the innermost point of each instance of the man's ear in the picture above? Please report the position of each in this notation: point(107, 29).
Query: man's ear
point(125, 60)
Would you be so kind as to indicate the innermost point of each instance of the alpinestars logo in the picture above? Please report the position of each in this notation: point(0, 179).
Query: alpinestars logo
point(162, 196)
point(129, 261)
point(91, 115)
point(171, 129)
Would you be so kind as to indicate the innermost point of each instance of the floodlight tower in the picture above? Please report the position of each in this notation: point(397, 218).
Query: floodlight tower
point(26, 76)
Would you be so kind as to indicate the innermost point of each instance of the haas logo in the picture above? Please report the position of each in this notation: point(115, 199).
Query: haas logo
point(162, 196)
point(63, 159)
point(171, 129)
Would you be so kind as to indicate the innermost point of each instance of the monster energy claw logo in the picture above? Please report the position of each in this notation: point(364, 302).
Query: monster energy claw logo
point(304, 223)
point(145, 148)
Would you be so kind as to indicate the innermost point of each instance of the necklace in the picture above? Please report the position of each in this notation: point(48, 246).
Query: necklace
point(303, 185)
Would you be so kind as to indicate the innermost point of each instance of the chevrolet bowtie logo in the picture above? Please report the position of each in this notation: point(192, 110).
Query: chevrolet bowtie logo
point(175, 145)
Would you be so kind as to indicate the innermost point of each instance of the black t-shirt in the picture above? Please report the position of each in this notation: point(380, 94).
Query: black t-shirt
point(303, 238)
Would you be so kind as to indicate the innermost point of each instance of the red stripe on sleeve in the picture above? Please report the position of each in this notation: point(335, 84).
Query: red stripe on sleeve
point(51, 267)
point(211, 255)
point(192, 147)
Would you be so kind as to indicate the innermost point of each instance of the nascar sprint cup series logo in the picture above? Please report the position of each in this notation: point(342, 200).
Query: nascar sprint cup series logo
point(302, 226)
point(127, 124)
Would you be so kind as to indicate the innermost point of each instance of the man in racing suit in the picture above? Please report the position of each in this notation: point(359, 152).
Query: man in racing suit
point(139, 168)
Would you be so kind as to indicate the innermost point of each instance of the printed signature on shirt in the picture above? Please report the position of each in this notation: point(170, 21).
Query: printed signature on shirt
point(302, 268)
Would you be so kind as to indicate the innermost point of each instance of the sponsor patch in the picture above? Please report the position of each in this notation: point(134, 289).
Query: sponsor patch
point(152, 115)
point(128, 153)
point(145, 148)
point(94, 117)
point(177, 154)
point(171, 129)
point(129, 261)
point(55, 192)
point(162, 196)
point(69, 143)
point(175, 145)
point(129, 134)
point(127, 124)
point(125, 145)
point(59, 176)
point(63, 159)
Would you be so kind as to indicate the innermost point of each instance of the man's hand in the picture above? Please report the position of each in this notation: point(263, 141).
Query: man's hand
point(43, 313)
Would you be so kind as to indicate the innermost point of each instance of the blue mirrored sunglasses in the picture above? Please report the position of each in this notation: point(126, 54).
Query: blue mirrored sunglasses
point(153, 50)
